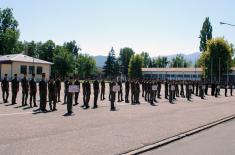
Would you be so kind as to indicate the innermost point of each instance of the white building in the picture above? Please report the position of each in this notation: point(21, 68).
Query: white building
point(20, 64)
point(180, 73)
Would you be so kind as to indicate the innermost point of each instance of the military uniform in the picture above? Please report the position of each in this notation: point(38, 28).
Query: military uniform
point(58, 88)
point(25, 90)
point(127, 89)
point(182, 89)
point(166, 89)
point(52, 94)
point(33, 91)
point(77, 83)
point(14, 89)
point(96, 92)
point(43, 94)
point(132, 92)
point(66, 89)
point(87, 94)
point(137, 92)
point(112, 97)
point(102, 94)
point(120, 98)
point(70, 98)
point(5, 89)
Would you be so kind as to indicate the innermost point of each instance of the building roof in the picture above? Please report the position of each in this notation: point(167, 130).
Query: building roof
point(172, 69)
point(21, 58)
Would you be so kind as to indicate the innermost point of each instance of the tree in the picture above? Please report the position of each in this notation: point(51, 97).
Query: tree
point(217, 59)
point(124, 58)
point(110, 68)
point(30, 49)
point(9, 33)
point(135, 66)
point(146, 59)
point(72, 47)
point(205, 34)
point(160, 62)
point(179, 61)
point(46, 51)
point(85, 65)
point(63, 62)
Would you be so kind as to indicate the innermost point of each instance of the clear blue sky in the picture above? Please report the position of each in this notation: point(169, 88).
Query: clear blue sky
point(160, 27)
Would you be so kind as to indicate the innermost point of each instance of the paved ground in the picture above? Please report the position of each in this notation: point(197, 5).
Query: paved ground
point(102, 131)
point(216, 141)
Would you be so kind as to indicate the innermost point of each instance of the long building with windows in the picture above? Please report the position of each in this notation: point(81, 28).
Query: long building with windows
point(180, 73)
point(20, 64)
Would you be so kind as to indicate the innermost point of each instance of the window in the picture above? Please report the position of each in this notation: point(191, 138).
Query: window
point(23, 69)
point(31, 69)
point(39, 70)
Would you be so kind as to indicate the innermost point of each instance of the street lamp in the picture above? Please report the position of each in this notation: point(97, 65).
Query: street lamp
point(223, 23)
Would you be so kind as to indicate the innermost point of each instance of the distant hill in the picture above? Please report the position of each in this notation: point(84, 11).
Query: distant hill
point(100, 59)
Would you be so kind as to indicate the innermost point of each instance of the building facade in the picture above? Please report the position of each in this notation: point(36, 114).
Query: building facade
point(20, 64)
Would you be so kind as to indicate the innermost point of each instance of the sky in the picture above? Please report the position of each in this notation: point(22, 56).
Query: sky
point(160, 27)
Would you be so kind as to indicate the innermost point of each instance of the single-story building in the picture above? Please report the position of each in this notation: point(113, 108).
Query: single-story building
point(179, 73)
point(20, 64)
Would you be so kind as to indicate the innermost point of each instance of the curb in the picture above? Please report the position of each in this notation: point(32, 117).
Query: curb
point(178, 136)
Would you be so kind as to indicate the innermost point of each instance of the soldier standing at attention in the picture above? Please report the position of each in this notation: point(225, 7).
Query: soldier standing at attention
point(197, 85)
point(84, 93)
point(226, 87)
point(14, 89)
point(143, 87)
point(231, 88)
point(77, 83)
point(70, 98)
point(96, 93)
point(120, 98)
point(58, 87)
point(88, 94)
point(102, 94)
point(66, 89)
point(127, 89)
point(166, 89)
point(25, 90)
point(5, 89)
point(33, 91)
point(137, 92)
point(132, 92)
point(112, 96)
point(159, 86)
point(43, 93)
point(52, 94)
point(182, 89)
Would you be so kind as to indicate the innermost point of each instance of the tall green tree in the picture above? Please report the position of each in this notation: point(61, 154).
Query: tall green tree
point(31, 49)
point(135, 67)
point(9, 33)
point(63, 62)
point(205, 34)
point(72, 47)
point(124, 59)
point(110, 68)
point(85, 65)
point(217, 59)
point(46, 51)
point(146, 60)
point(160, 62)
point(179, 61)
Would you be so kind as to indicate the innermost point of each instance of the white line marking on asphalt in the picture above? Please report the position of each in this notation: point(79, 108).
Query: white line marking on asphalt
point(11, 114)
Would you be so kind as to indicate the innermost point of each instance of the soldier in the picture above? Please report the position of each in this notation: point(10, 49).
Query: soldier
point(14, 89)
point(201, 90)
point(226, 87)
point(96, 93)
point(159, 86)
point(217, 87)
point(176, 89)
point(66, 89)
point(166, 89)
point(58, 88)
point(87, 94)
point(172, 89)
point(70, 97)
point(43, 93)
point(197, 86)
point(5, 89)
point(112, 96)
point(137, 92)
point(132, 92)
point(110, 90)
point(152, 92)
point(143, 87)
point(102, 94)
point(213, 88)
point(182, 89)
point(33, 91)
point(77, 83)
point(52, 94)
point(127, 89)
point(206, 87)
point(120, 98)
point(187, 91)
point(25, 90)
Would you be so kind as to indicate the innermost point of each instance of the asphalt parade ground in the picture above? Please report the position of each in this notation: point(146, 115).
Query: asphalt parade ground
point(101, 131)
